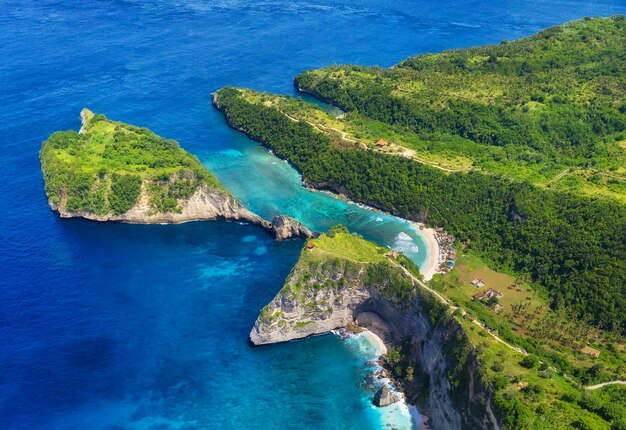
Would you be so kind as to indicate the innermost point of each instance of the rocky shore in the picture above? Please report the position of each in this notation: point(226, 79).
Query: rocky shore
point(285, 227)
point(205, 204)
point(298, 311)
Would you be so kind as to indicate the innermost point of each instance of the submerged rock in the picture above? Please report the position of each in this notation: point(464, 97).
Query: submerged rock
point(384, 397)
point(285, 227)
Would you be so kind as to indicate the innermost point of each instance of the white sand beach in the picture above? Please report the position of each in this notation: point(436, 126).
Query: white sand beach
point(431, 265)
point(381, 348)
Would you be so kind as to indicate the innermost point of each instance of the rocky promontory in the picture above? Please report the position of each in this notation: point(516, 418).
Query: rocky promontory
point(340, 279)
point(111, 171)
point(285, 227)
point(336, 277)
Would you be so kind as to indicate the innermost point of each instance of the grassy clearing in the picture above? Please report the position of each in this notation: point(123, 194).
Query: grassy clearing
point(457, 285)
point(522, 317)
point(344, 245)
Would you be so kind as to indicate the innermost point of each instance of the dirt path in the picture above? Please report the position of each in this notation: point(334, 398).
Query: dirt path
point(604, 384)
point(400, 150)
point(573, 169)
point(560, 175)
point(443, 300)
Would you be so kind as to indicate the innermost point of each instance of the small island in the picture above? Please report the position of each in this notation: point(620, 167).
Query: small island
point(111, 171)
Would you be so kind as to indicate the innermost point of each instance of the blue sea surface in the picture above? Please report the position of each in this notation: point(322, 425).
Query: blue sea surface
point(110, 326)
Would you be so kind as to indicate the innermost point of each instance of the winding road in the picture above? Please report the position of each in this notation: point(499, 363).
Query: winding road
point(604, 384)
point(401, 150)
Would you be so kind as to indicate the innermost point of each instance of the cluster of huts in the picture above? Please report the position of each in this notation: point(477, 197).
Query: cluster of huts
point(484, 295)
point(447, 253)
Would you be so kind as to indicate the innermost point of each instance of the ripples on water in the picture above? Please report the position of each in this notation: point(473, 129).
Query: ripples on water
point(137, 327)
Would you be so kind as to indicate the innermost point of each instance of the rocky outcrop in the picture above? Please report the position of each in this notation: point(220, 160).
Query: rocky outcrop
point(285, 227)
point(206, 203)
point(384, 397)
point(298, 311)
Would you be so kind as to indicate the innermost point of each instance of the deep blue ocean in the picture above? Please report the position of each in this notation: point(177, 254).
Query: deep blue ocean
point(110, 326)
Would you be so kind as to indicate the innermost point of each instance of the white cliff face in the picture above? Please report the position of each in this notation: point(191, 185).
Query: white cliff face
point(302, 308)
point(206, 203)
point(287, 319)
point(309, 304)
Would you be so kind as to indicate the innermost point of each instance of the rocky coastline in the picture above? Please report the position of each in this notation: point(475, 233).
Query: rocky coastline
point(206, 204)
point(292, 316)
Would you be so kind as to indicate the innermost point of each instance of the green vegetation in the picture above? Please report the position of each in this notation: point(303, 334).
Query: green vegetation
point(541, 390)
point(519, 151)
point(528, 392)
point(338, 242)
point(571, 245)
point(527, 109)
point(339, 259)
point(544, 388)
point(102, 170)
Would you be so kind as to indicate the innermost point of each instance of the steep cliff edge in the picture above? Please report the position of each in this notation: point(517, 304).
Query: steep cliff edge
point(341, 278)
point(111, 171)
point(336, 275)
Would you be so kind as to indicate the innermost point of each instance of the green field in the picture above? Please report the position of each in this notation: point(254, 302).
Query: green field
point(343, 245)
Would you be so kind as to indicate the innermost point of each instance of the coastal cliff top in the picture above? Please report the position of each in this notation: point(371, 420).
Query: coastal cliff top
point(338, 259)
point(103, 168)
point(338, 242)
point(334, 271)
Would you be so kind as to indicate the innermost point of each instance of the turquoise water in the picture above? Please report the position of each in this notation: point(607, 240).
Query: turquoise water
point(270, 186)
point(107, 326)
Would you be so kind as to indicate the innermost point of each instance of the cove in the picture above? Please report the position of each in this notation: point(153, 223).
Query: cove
point(270, 186)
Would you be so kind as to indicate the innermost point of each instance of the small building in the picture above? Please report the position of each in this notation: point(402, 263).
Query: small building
point(488, 294)
point(381, 142)
point(310, 245)
point(393, 254)
point(478, 283)
point(590, 351)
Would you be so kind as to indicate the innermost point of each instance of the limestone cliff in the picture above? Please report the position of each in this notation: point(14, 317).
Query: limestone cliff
point(206, 203)
point(344, 279)
point(335, 276)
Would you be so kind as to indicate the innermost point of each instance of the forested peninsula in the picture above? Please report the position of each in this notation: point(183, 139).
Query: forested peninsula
point(550, 101)
point(111, 171)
